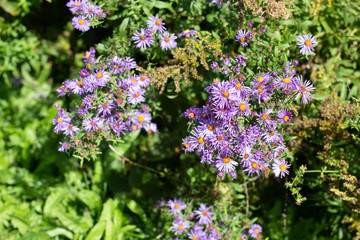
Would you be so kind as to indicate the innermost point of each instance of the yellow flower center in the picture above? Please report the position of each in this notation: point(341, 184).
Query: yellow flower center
point(80, 84)
point(150, 132)
point(282, 167)
point(238, 86)
point(264, 116)
point(142, 37)
point(191, 115)
point(211, 127)
point(141, 118)
point(307, 42)
point(286, 118)
point(195, 238)
point(133, 80)
point(87, 55)
point(286, 80)
point(134, 127)
point(78, 4)
point(176, 206)
point(181, 227)
point(201, 140)
point(260, 89)
point(99, 75)
point(81, 22)
point(242, 107)
point(272, 133)
point(256, 230)
point(242, 39)
point(59, 120)
point(186, 145)
point(186, 31)
point(260, 79)
point(158, 22)
point(142, 78)
point(226, 160)
point(253, 164)
point(167, 39)
point(226, 94)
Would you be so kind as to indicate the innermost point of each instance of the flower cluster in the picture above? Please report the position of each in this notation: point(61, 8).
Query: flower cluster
point(145, 38)
point(201, 223)
point(110, 104)
point(85, 14)
point(241, 122)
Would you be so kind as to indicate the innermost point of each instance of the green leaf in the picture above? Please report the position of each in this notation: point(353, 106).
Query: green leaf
point(163, 5)
point(97, 231)
point(136, 208)
point(122, 28)
point(60, 232)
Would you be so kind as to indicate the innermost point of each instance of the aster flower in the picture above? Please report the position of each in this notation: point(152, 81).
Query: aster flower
point(142, 39)
point(227, 62)
point(102, 77)
point(264, 117)
point(156, 24)
point(81, 23)
point(64, 146)
point(92, 124)
point(191, 113)
point(180, 227)
point(280, 167)
point(203, 214)
point(187, 33)
point(140, 117)
point(272, 136)
point(286, 82)
point(119, 127)
point(176, 206)
point(225, 164)
point(70, 130)
point(84, 72)
point(243, 36)
point(90, 10)
point(76, 6)
point(221, 94)
point(188, 146)
point(105, 108)
point(89, 55)
point(167, 41)
point(196, 234)
point(144, 81)
point(214, 65)
point(240, 59)
point(243, 108)
point(135, 95)
point(284, 116)
point(254, 167)
point(306, 43)
point(151, 128)
point(304, 88)
point(254, 230)
point(61, 121)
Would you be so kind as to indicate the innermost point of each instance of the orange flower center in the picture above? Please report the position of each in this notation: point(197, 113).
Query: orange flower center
point(158, 22)
point(176, 206)
point(282, 167)
point(238, 86)
point(264, 116)
point(286, 118)
point(195, 238)
point(78, 4)
point(307, 42)
point(272, 133)
point(92, 123)
point(142, 37)
point(141, 118)
point(253, 164)
point(80, 84)
point(81, 22)
point(105, 106)
point(226, 94)
point(70, 127)
point(260, 79)
point(186, 145)
point(204, 213)
point(201, 140)
point(142, 78)
point(135, 95)
point(133, 80)
point(286, 80)
point(90, 10)
point(211, 127)
point(167, 39)
point(150, 132)
point(246, 156)
point(226, 160)
point(219, 138)
point(240, 76)
point(119, 101)
point(303, 88)
point(242, 39)
point(242, 107)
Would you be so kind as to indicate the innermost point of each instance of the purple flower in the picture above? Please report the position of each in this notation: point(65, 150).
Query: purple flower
point(243, 36)
point(90, 10)
point(280, 167)
point(254, 230)
point(176, 206)
point(76, 6)
point(119, 128)
point(102, 77)
point(89, 55)
point(187, 33)
point(225, 164)
point(140, 117)
point(61, 121)
point(135, 95)
point(214, 65)
point(286, 82)
point(180, 227)
point(241, 60)
point(92, 124)
point(84, 72)
point(105, 108)
point(264, 117)
point(151, 128)
point(263, 30)
point(167, 41)
point(144, 81)
point(306, 43)
point(64, 146)
point(117, 65)
point(70, 130)
point(304, 88)
point(227, 61)
point(250, 25)
point(81, 23)
point(284, 116)
point(142, 39)
point(156, 24)
point(204, 215)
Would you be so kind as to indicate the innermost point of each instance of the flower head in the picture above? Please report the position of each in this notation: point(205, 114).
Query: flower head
point(142, 39)
point(203, 214)
point(280, 167)
point(81, 23)
point(306, 43)
point(167, 41)
point(156, 24)
point(254, 230)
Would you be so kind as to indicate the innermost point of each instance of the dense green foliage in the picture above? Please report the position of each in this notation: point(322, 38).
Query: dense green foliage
point(45, 194)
